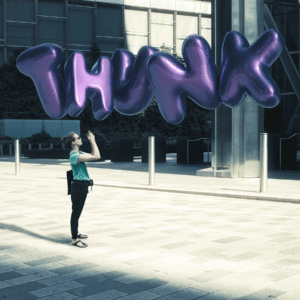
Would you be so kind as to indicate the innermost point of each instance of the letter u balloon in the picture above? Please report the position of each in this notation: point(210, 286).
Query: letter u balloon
point(128, 83)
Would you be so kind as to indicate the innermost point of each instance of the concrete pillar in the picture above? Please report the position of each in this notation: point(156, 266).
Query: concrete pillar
point(236, 132)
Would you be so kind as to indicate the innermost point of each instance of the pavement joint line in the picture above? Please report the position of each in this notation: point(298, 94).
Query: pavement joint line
point(193, 192)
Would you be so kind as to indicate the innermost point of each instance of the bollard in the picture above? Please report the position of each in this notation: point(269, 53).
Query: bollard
point(10, 149)
point(151, 159)
point(29, 146)
point(40, 146)
point(51, 145)
point(1, 150)
point(17, 157)
point(263, 161)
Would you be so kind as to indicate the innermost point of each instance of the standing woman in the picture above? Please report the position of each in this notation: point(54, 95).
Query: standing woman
point(81, 180)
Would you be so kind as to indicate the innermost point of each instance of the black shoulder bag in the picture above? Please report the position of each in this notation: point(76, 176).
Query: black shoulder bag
point(70, 179)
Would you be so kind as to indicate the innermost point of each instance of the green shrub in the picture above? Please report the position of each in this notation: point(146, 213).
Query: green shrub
point(42, 137)
point(6, 138)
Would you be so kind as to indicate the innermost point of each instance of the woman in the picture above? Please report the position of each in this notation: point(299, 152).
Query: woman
point(81, 180)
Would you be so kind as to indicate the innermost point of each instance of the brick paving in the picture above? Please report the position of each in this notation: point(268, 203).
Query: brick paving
point(146, 242)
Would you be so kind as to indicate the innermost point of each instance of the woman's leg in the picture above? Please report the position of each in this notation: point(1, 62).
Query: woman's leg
point(78, 196)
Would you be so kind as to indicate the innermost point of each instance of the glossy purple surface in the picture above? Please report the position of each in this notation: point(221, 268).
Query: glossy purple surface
point(128, 83)
point(82, 86)
point(132, 90)
point(41, 64)
point(245, 69)
point(171, 79)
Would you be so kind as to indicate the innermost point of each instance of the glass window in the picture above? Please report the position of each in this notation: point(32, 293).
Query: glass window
point(1, 21)
point(295, 57)
point(292, 30)
point(186, 25)
point(135, 43)
point(163, 4)
point(113, 1)
point(20, 34)
point(51, 8)
point(109, 21)
point(141, 3)
point(206, 7)
point(206, 33)
point(189, 6)
point(206, 29)
point(1, 57)
point(80, 25)
point(109, 45)
point(136, 29)
point(51, 31)
point(20, 10)
point(161, 30)
point(109, 28)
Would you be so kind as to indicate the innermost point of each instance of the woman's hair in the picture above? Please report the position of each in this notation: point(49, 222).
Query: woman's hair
point(68, 139)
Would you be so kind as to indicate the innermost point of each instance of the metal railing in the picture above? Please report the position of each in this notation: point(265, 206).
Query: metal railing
point(30, 147)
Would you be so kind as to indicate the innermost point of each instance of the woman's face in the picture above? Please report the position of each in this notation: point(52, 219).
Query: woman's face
point(77, 140)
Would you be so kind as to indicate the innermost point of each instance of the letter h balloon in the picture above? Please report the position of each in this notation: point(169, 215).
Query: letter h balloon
point(128, 83)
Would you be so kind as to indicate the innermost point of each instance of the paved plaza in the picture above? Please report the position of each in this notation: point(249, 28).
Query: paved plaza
point(186, 237)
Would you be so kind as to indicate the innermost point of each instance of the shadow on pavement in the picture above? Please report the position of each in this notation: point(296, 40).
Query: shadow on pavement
point(11, 227)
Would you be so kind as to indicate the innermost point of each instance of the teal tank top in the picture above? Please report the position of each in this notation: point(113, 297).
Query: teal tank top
point(79, 170)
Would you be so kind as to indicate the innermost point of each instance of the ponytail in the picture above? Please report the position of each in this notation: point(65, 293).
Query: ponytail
point(68, 139)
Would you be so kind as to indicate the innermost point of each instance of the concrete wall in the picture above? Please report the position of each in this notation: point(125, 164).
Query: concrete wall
point(26, 128)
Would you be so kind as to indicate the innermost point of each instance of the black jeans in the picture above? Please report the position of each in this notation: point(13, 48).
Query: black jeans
point(79, 190)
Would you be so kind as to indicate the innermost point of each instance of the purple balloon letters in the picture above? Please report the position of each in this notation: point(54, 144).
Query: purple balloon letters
point(128, 84)
point(41, 64)
point(81, 85)
point(245, 69)
point(132, 91)
point(171, 79)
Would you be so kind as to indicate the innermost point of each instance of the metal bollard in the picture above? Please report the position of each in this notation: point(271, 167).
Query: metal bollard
point(17, 157)
point(1, 150)
point(151, 159)
point(10, 149)
point(40, 146)
point(29, 146)
point(263, 161)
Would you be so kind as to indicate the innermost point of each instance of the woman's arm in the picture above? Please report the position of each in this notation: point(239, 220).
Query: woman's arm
point(95, 154)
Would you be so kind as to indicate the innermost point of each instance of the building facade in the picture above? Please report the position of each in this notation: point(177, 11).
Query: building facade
point(111, 24)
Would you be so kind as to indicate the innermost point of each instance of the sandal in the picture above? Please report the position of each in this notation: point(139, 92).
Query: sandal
point(80, 246)
point(82, 236)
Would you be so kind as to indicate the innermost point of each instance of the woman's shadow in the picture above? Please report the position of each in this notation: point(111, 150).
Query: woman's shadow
point(11, 227)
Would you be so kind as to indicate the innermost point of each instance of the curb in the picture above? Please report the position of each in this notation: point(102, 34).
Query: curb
point(258, 196)
point(206, 193)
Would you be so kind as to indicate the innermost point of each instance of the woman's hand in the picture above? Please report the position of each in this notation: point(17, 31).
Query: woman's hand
point(90, 136)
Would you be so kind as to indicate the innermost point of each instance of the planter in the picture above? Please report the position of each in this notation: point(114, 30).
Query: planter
point(121, 150)
point(289, 153)
point(190, 152)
